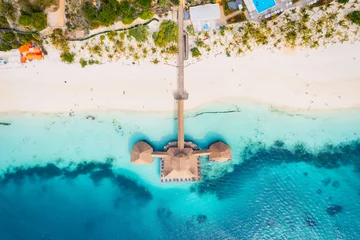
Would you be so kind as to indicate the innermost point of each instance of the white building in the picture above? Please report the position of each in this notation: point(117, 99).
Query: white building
point(205, 17)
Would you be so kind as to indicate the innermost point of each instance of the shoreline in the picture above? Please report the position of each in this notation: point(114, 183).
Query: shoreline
point(306, 80)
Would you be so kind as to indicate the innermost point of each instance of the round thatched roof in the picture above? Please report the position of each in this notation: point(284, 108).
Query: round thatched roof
point(220, 152)
point(141, 153)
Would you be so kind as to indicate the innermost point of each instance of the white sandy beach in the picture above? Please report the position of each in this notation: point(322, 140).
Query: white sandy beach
point(302, 80)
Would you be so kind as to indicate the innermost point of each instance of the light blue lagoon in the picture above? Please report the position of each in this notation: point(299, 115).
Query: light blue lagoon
point(293, 176)
point(263, 5)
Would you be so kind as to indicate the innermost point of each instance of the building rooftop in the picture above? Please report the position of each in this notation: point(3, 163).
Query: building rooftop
point(205, 12)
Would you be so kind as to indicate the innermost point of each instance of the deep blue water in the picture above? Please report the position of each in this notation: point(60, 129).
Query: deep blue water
point(274, 194)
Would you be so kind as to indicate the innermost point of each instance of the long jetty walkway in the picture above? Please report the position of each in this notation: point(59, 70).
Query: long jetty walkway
point(180, 164)
point(180, 94)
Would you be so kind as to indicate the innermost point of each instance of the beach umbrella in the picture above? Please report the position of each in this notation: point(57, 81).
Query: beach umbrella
point(220, 152)
point(141, 153)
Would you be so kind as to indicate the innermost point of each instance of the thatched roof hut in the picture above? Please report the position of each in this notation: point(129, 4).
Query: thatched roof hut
point(220, 152)
point(141, 153)
point(180, 164)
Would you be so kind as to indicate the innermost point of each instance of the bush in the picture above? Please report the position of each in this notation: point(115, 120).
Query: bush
point(199, 43)
point(173, 50)
point(7, 9)
point(128, 20)
point(3, 22)
point(39, 21)
point(94, 24)
point(140, 33)
point(83, 62)
point(25, 20)
point(147, 14)
point(67, 57)
point(195, 53)
point(190, 30)
point(343, 1)
point(354, 17)
point(122, 35)
point(167, 33)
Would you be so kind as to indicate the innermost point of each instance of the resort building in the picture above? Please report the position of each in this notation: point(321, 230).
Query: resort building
point(235, 5)
point(205, 17)
point(180, 164)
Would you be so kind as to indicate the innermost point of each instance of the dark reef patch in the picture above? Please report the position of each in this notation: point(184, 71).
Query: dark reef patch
point(319, 191)
point(334, 209)
point(97, 171)
point(310, 222)
point(201, 218)
point(256, 157)
point(163, 213)
point(326, 181)
point(336, 184)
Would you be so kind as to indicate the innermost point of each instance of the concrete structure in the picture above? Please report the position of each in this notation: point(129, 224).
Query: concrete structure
point(205, 17)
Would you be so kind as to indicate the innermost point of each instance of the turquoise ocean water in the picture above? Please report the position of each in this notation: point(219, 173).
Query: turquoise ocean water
point(293, 176)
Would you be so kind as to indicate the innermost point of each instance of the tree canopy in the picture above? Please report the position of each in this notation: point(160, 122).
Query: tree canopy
point(147, 14)
point(354, 17)
point(36, 20)
point(140, 33)
point(110, 12)
point(167, 33)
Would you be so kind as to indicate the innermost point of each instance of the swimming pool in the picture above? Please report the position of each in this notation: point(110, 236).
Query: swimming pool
point(262, 5)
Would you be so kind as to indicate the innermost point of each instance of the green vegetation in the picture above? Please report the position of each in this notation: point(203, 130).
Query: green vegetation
point(112, 11)
point(145, 3)
point(111, 35)
point(32, 13)
point(3, 22)
point(354, 17)
point(39, 21)
point(12, 40)
point(172, 50)
point(36, 20)
point(140, 33)
point(7, 10)
point(67, 57)
point(195, 53)
point(343, 1)
point(236, 19)
point(147, 14)
point(58, 40)
point(83, 63)
point(190, 30)
point(227, 10)
point(167, 33)
point(8, 41)
point(199, 43)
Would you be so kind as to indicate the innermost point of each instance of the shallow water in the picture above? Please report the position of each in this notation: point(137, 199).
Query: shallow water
point(293, 176)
